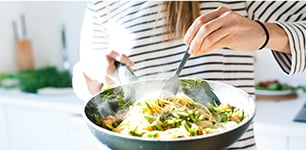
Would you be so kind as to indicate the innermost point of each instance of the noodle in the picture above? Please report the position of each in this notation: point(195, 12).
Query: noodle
point(176, 117)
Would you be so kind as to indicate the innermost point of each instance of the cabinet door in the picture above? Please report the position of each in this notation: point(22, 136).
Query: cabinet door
point(37, 129)
point(3, 129)
point(271, 142)
point(297, 143)
point(82, 135)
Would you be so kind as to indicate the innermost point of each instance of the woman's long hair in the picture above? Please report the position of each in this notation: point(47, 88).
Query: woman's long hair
point(179, 15)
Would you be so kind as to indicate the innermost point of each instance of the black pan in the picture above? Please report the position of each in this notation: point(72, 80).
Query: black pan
point(103, 105)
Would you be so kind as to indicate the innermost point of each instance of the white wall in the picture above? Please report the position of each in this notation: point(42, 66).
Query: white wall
point(44, 20)
point(268, 69)
point(8, 12)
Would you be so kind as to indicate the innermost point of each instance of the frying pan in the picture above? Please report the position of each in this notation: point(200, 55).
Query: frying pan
point(103, 104)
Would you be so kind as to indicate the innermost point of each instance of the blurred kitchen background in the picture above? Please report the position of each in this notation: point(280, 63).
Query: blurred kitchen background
point(44, 23)
point(33, 122)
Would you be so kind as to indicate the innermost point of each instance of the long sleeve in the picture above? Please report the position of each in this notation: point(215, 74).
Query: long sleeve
point(92, 48)
point(291, 16)
point(296, 62)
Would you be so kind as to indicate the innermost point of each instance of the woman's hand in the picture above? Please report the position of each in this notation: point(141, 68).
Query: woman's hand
point(110, 58)
point(223, 28)
point(99, 69)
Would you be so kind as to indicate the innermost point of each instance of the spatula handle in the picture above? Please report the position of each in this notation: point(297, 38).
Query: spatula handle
point(183, 62)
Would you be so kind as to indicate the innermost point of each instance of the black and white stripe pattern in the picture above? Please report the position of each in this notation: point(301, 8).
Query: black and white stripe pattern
point(136, 29)
point(291, 16)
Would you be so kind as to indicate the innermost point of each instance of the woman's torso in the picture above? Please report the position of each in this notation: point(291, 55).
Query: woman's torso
point(136, 29)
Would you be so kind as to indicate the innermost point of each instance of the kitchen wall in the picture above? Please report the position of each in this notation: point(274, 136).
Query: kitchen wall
point(267, 69)
point(44, 20)
point(8, 12)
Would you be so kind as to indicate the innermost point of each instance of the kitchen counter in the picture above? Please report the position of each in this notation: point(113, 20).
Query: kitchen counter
point(43, 121)
point(277, 116)
point(274, 125)
point(60, 102)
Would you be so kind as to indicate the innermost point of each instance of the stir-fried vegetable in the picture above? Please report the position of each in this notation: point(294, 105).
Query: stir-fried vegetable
point(275, 85)
point(176, 117)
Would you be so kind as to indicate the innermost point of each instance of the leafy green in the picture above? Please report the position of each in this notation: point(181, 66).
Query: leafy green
point(275, 85)
point(32, 80)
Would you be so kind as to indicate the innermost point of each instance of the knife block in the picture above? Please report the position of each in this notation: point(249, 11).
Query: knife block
point(24, 55)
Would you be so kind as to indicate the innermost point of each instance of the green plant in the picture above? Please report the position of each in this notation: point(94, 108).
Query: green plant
point(32, 80)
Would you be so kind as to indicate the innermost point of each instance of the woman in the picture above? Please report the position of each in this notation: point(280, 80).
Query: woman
point(151, 37)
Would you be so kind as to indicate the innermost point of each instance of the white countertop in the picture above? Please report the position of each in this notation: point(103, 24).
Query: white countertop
point(276, 117)
point(60, 102)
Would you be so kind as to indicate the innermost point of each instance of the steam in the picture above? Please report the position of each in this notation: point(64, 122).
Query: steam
point(134, 89)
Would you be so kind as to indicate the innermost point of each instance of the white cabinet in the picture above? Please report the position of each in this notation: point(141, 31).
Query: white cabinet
point(297, 143)
point(3, 131)
point(271, 142)
point(36, 129)
point(274, 126)
point(83, 136)
point(33, 122)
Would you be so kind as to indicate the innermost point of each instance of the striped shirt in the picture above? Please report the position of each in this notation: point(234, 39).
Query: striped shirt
point(135, 28)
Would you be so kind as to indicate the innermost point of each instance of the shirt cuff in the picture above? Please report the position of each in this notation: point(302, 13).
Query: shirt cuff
point(79, 84)
point(293, 63)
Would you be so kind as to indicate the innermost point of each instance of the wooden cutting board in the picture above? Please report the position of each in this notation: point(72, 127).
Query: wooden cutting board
point(24, 54)
point(291, 96)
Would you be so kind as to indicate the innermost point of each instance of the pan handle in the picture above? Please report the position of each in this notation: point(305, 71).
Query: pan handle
point(124, 73)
